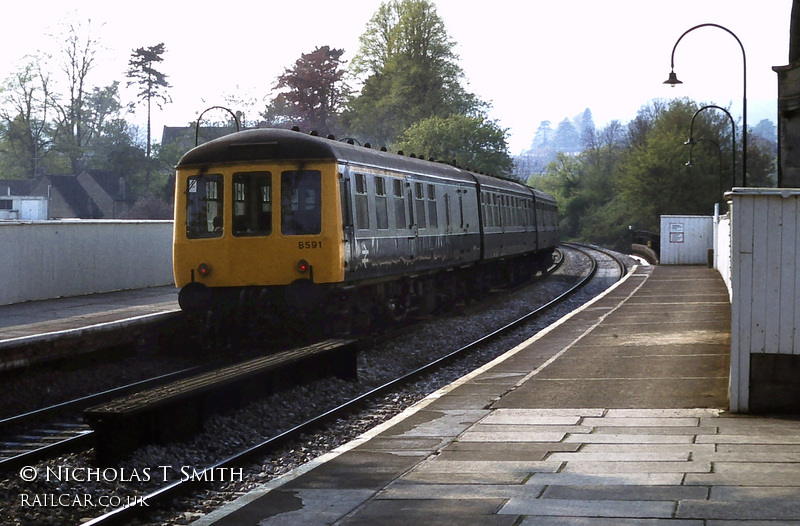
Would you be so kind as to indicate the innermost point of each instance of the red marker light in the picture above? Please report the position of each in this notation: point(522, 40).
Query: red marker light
point(203, 269)
point(302, 265)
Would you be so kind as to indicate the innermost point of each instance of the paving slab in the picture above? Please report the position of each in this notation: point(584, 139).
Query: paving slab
point(460, 450)
point(632, 466)
point(306, 506)
point(529, 428)
point(441, 512)
point(762, 510)
point(616, 521)
point(436, 465)
point(588, 508)
point(748, 474)
point(629, 492)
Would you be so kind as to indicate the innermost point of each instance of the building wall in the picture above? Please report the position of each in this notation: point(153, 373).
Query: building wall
point(50, 259)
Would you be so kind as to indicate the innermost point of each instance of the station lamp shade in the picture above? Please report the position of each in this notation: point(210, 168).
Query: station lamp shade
point(673, 79)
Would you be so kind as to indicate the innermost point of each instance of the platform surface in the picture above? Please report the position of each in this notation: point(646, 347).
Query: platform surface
point(615, 415)
point(39, 318)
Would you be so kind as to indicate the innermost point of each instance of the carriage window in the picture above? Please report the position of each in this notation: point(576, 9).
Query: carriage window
point(381, 211)
point(362, 206)
point(433, 218)
point(252, 204)
point(461, 209)
point(301, 203)
point(204, 206)
point(419, 200)
point(399, 205)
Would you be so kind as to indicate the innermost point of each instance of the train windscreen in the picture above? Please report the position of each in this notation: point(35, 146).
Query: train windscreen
point(252, 204)
point(301, 202)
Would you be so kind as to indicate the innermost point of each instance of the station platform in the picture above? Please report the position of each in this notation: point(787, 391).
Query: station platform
point(614, 415)
point(29, 330)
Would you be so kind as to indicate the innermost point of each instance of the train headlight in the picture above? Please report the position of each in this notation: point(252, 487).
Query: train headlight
point(303, 266)
point(204, 269)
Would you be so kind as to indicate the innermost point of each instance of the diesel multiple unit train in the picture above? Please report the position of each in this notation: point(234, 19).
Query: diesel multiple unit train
point(280, 225)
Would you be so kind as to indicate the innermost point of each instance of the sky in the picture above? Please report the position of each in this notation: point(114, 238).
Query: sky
point(533, 60)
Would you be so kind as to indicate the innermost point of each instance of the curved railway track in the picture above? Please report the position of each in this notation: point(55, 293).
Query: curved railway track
point(604, 265)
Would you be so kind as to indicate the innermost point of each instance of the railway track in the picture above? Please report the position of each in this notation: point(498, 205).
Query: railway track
point(44, 433)
point(30, 437)
point(604, 266)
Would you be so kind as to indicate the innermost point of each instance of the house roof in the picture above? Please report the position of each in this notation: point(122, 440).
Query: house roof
point(75, 195)
point(17, 187)
point(110, 184)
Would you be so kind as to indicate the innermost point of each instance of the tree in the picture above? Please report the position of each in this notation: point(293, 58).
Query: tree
point(78, 52)
point(409, 72)
point(566, 136)
point(472, 142)
point(544, 136)
point(152, 83)
point(26, 103)
point(315, 92)
point(587, 130)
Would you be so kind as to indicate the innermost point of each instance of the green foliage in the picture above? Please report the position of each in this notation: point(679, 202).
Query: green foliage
point(152, 84)
point(472, 142)
point(142, 71)
point(409, 73)
point(25, 106)
point(632, 176)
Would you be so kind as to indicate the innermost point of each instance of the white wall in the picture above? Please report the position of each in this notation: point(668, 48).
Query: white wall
point(722, 249)
point(765, 272)
point(49, 259)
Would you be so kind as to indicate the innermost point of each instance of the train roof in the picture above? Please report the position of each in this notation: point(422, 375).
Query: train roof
point(278, 144)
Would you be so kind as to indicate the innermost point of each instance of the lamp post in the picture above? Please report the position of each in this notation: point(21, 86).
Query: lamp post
point(673, 81)
point(692, 141)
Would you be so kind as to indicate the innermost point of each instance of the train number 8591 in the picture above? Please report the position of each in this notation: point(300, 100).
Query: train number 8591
point(309, 244)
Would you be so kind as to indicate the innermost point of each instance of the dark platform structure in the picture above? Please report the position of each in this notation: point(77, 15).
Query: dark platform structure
point(39, 332)
point(178, 410)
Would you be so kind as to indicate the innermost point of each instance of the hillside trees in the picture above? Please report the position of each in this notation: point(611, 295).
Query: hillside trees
point(636, 173)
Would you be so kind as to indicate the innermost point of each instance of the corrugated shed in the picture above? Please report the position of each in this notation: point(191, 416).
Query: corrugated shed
point(686, 240)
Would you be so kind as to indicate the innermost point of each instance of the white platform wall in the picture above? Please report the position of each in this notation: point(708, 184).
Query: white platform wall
point(49, 259)
point(765, 272)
